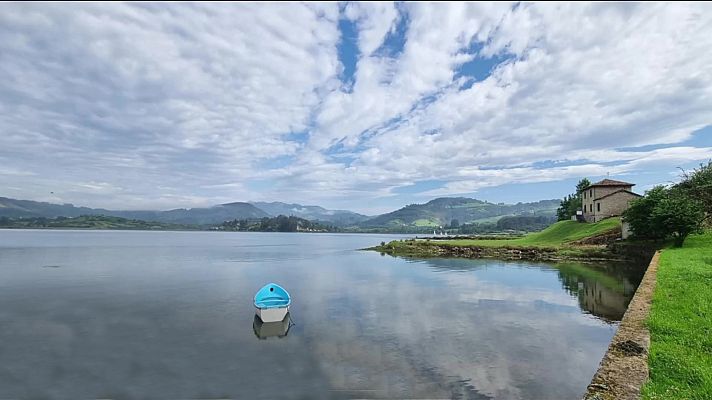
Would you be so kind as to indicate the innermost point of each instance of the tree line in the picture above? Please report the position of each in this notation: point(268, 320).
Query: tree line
point(281, 223)
point(665, 212)
point(573, 202)
point(675, 211)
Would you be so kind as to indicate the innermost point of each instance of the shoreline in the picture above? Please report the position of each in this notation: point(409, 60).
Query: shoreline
point(429, 249)
point(562, 241)
point(623, 370)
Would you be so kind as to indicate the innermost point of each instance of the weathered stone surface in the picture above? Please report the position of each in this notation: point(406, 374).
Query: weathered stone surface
point(624, 368)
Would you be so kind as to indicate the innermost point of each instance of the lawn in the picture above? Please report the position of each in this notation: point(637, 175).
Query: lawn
point(489, 220)
point(680, 323)
point(555, 238)
point(557, 235)
point(426, 222)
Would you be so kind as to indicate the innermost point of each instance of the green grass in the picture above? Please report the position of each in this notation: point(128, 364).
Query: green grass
point(680, 323)
point(425, 222)
point(555, 236)
point(489, 220)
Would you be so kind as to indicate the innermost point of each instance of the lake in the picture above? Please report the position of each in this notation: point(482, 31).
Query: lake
point(129, 314)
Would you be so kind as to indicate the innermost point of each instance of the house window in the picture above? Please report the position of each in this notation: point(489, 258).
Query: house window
point(590, 207)
point(590, 192)
point(598, 207)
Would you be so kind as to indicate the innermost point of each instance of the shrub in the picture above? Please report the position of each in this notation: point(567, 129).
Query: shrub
point(665, 213)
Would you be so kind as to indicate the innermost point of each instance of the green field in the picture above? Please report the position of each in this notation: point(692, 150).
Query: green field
point(426, 222)
point(557, 235)
point(680, 323)
point(489, 220)
point(556, 238)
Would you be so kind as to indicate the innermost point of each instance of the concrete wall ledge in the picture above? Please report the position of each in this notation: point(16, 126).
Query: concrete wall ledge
point(624, 367)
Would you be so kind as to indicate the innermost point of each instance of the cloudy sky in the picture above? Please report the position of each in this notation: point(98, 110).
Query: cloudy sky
point(347, 105)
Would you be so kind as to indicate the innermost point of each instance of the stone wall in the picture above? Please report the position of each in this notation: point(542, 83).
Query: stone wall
point(591, 212)
point(624, 368)
point(613, 205)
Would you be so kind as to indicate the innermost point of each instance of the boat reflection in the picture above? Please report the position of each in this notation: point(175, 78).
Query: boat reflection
point(264, 330)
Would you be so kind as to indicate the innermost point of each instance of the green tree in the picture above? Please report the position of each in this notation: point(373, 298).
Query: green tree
point(563, 212)
point(639, 214)
point(454, 223)
point(582, 185)
point(678, 215)
point(697, 185)
point(573, 202)
point(665, 213)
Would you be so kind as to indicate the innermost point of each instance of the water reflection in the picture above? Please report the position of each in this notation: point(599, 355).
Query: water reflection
point(602, 290)
point(264, 330)
point(166, 315)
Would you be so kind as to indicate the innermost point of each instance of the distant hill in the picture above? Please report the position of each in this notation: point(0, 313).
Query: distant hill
point(312, 213)
point(280, 223)
point(201, 216)
point(88, 222)
point(441, 211)
point(12, 208)
point(437, 212)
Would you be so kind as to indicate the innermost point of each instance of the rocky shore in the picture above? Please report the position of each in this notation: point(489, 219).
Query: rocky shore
point(422, 248)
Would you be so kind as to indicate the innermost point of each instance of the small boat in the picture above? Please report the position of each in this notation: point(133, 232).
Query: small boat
point(264, 330)
point(272, 303)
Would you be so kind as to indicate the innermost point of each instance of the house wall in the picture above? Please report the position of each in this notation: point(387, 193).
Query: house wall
point(591, 213)
point(613, 205)
point(625, 230)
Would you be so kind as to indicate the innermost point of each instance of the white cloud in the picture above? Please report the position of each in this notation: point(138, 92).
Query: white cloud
point(199, 98)
point(375, 21)
point(586, 79)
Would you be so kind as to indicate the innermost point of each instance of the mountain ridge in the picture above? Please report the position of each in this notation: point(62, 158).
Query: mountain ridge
point(14, 208)
point(437, 212)
point(443, 210)
point(313, 213)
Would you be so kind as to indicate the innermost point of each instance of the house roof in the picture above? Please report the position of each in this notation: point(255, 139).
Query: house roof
point(611, 182)
point(616, 192)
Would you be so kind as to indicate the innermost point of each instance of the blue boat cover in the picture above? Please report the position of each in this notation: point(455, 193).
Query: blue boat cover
point(272, 296)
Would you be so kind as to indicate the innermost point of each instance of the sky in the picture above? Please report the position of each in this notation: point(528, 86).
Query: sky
point(359, 106)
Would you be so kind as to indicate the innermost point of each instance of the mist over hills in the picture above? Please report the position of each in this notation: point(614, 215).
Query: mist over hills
point(437, 212)
point(13, 208)
point(312, 213)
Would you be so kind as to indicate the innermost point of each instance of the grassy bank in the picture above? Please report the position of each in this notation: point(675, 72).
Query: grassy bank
point(554, 242)
point(557, 235)
point(680, 323)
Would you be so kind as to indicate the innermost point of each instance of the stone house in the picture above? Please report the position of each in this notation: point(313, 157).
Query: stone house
point(607, 198)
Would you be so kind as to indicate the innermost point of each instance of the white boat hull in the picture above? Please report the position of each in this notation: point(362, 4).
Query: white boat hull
point(272, 314)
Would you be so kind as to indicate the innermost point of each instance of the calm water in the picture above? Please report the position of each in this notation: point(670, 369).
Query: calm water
point(87, 314)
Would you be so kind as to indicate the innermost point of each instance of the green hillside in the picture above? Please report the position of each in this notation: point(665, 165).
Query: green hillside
point(89, 222)
point(558, 234)
point(568, 231)
point(556, 241)
point(441, 211)
point(311, 213)
point(13, 208)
